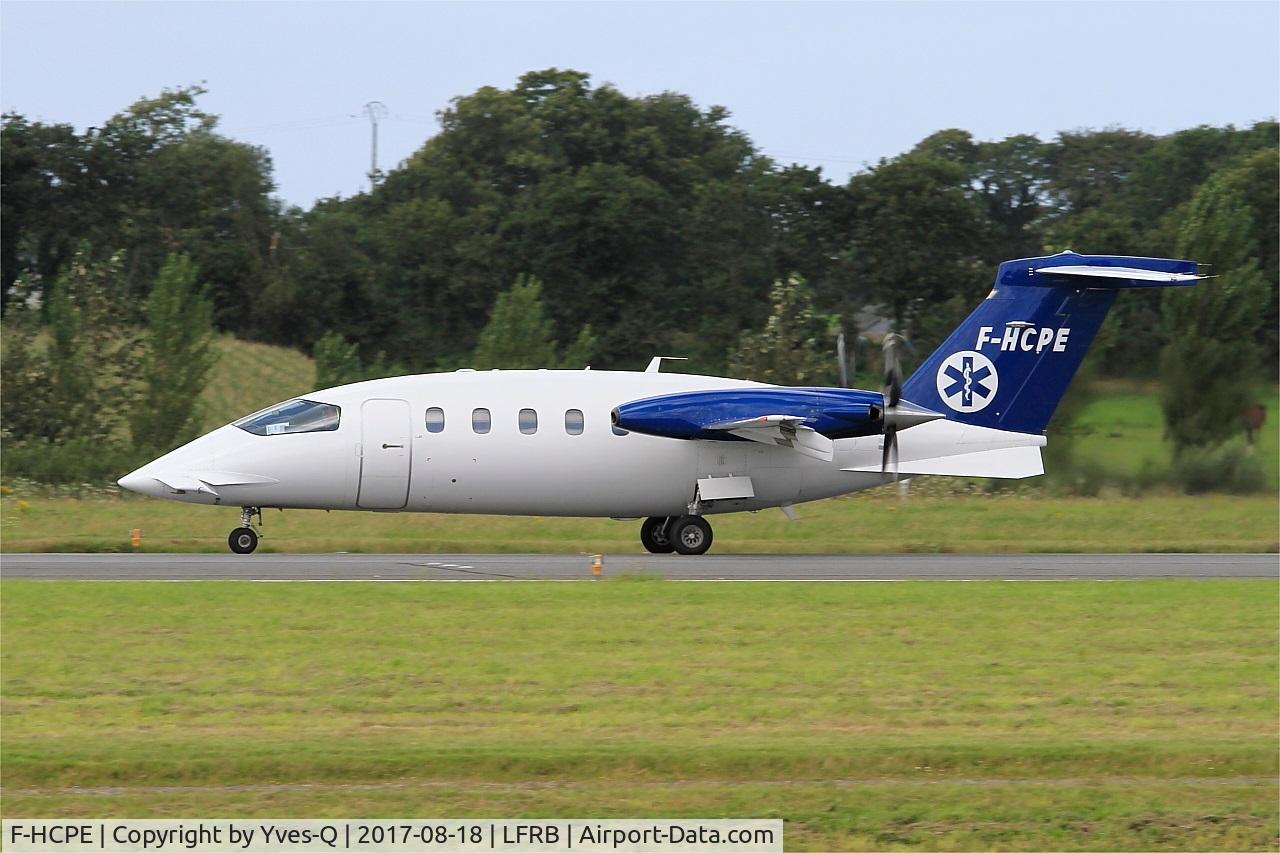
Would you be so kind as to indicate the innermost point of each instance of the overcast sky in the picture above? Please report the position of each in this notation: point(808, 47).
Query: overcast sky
point(836, 85)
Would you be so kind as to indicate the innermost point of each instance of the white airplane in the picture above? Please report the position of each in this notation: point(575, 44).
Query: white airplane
point(669, 448)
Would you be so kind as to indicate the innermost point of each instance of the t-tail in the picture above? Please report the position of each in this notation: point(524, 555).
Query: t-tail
point(1008, 365)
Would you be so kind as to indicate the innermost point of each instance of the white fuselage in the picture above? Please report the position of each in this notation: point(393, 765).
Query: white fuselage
point(382, 456)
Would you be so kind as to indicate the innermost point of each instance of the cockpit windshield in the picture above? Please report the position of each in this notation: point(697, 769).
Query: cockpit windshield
point(293, 416)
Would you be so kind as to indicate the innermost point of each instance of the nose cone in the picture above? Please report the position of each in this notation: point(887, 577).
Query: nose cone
point(140, 483)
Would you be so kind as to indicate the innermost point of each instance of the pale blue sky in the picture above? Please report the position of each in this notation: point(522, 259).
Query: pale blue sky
point(835, 85)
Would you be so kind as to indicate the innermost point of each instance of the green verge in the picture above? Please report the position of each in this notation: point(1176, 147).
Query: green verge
point(1121, 430)
point(1077, 715)
point(868, 523)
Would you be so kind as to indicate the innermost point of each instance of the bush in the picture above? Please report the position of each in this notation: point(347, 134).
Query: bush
point(1083, 478)
point(1148, 477)
point(74, 461)
point(1231, 467)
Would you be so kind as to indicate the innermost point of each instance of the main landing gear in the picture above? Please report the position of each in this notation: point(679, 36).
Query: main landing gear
point(244, 539)
point(689, 535)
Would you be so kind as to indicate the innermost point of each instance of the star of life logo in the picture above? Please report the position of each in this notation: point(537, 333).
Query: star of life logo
point(967, 381)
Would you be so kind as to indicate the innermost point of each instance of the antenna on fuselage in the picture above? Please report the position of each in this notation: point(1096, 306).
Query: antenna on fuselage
point(655, 365)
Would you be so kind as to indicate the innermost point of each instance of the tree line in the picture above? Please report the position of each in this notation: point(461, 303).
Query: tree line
point(635, 226)
point(91, 389)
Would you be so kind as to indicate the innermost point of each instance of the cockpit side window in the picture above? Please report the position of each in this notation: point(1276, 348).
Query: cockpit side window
point(292, 417)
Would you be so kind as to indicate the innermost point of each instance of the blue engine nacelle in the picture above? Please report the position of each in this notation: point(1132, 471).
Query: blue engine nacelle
point(834, 412)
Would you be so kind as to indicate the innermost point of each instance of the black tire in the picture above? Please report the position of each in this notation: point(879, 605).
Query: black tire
point(243, 540)
point(691, 535)
point(653, 535)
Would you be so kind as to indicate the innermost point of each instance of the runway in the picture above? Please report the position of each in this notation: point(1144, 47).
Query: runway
point(567, 567)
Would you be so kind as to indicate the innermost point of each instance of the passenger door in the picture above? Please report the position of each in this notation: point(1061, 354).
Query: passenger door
point(386, 453)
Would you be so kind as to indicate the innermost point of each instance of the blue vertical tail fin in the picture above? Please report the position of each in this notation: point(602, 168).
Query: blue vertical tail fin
point(1010, 362)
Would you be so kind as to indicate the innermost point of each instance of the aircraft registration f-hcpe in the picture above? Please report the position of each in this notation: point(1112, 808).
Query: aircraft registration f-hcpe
point(666, 447)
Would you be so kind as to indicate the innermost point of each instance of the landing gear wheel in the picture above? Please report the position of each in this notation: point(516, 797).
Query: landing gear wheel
point(243, 540)
point(690, 534)
point(653, 535)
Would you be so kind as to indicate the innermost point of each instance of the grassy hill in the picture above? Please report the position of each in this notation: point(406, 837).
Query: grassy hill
point(250, 376)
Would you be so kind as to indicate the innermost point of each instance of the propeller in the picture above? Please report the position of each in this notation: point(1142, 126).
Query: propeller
point(892, 394)
point(898, 414)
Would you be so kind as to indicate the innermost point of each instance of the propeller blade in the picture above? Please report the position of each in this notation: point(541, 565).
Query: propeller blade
point(889, 459)
point(892, 370)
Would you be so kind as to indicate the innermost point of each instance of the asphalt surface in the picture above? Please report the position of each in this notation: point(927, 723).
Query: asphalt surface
point(478, 567)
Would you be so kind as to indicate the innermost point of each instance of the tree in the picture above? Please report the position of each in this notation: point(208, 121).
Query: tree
point(1210, 365)
point(154, 179)
point(793, 347)
point(519, 335)
point(650, 219)
point(24, 368)
point(1087, 167)
point(583, 349)
point(93, 352)
point(337, 361)
point(1257, 179)
point(69, 387)
point(45, 207)
point(918, 235)
point(178, 357)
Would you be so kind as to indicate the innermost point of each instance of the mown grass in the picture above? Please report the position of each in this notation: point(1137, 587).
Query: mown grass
point(875, 522)
point(1128, 715)
point(881, 814)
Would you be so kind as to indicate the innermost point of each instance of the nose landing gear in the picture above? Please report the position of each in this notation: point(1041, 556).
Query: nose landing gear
point(689, 535)
point(244, 539)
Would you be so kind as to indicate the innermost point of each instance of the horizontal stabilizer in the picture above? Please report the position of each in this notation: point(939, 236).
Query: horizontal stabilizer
point(1122, 276)
point(1006, 463)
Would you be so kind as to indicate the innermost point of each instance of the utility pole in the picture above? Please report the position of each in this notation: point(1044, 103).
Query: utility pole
point(842, 363)
point(374, 110)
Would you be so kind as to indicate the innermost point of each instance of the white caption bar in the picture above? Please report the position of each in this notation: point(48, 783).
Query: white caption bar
point(375, 836)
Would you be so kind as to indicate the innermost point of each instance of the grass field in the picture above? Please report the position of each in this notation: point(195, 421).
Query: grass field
point(1122, 429)
point(1127, 715)
point(873, 522)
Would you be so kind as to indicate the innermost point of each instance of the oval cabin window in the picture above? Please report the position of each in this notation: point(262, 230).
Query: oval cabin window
point(573, 421)
point(435, 419)
point(528, 421)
